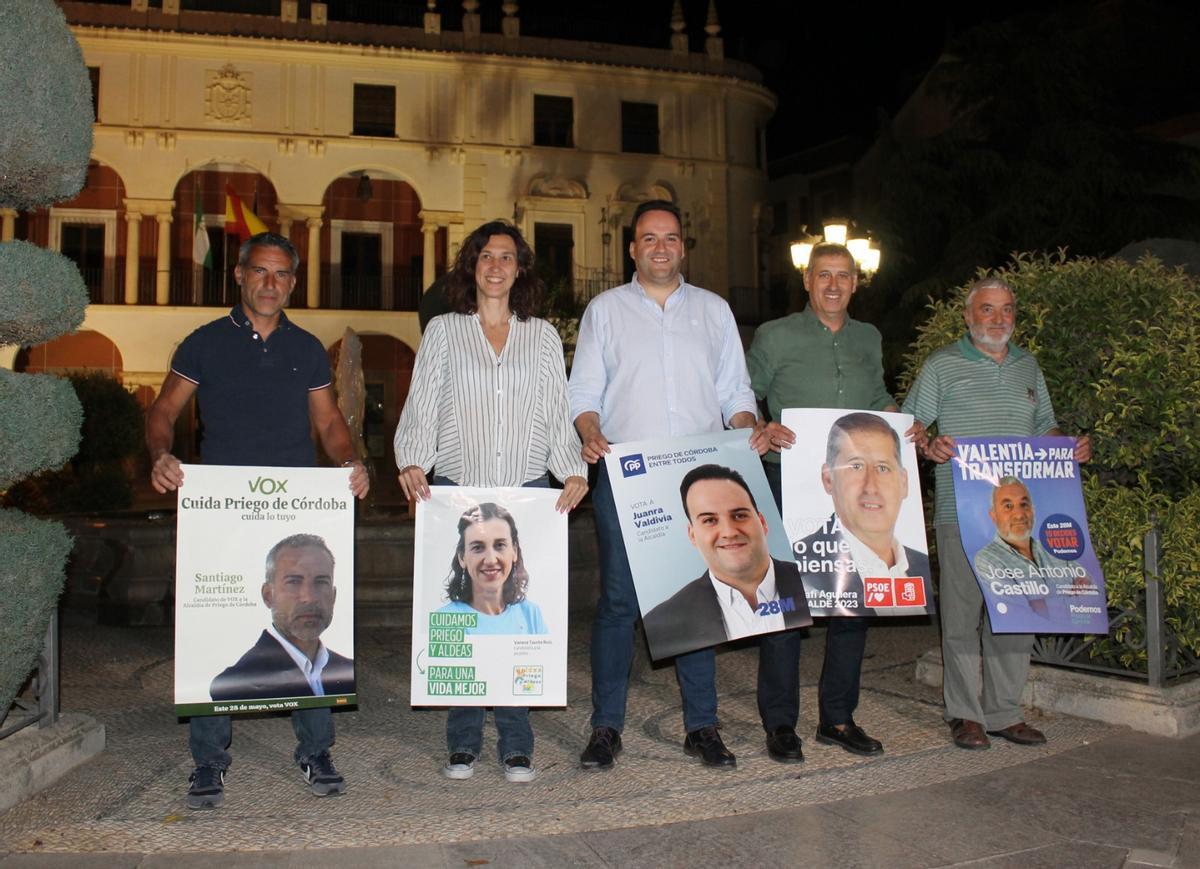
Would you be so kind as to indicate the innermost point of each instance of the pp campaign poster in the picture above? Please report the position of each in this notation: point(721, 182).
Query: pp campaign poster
point(490, 598)
point(852, 510)
point(706, 546)
point(264, 590)
point(1024, 529)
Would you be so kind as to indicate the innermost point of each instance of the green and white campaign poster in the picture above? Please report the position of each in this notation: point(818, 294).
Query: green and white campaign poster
point(264, 590)
point(490, 598)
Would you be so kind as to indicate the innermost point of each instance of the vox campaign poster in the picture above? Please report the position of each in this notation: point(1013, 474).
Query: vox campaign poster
point(1024, 529)
point(490, 598)
point(264, 590)
point(852, 510)
point(706, 546)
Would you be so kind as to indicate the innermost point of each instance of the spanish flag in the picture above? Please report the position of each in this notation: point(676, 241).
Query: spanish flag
point(240, 220)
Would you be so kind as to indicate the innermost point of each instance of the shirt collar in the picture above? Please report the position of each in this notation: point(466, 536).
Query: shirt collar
point(238, 315)
point(306, 666)
point(869, 563)
point(811, 316)
point(969, 351)
point(729, 596)
point(677, 293)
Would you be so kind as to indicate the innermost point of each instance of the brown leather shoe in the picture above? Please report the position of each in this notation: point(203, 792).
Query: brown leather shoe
point(968, 734)
point(1021, 733)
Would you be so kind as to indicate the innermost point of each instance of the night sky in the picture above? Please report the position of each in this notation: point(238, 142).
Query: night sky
point(832, 67)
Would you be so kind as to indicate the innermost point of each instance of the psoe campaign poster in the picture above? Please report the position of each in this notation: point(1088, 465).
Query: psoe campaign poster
point(264, 590)
point(490, 598)
point(706, 546)
point(852, 510)
point(1024, 529)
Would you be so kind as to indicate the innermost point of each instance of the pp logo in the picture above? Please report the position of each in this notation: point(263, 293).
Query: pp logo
point(633, 465)
point(879, 592)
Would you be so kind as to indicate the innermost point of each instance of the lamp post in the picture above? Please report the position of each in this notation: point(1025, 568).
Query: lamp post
point(836, 231)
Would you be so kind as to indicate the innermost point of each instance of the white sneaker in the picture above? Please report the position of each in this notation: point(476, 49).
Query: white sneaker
point(461, 765)
point(519, 769)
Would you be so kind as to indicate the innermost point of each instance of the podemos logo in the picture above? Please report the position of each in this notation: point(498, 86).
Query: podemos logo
point(633, 465)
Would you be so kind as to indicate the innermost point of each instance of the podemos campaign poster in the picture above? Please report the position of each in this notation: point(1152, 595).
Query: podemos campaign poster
point(852, 510)
point(264, 590)
point(725, 572)
point(490, 598)
point(1024, 529)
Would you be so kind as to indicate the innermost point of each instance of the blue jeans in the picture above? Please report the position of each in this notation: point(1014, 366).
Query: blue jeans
point(612, 633)
point(464, 724)
point(841, 671)
point(209, 736)
point(464, 731)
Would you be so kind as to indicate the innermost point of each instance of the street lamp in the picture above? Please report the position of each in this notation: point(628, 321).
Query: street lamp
point(836, 231)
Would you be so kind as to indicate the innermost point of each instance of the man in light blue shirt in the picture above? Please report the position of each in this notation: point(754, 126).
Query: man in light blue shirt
point(655, 358)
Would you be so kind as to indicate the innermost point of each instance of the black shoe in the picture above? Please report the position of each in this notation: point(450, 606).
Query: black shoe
point(322, 777)
point(784, 745)
point(207, 788)
point(602, 749)
point(706, 744)
point(852, 738)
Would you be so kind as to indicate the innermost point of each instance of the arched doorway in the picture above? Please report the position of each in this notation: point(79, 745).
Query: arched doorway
point(85, 350)
point(214, 285)
point(372, 245)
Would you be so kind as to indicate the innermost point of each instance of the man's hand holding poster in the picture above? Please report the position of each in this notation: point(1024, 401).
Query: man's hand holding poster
point(706, 547)
point(1024, 529)
point(852, 510)
point(264, 590)
point(490, 598)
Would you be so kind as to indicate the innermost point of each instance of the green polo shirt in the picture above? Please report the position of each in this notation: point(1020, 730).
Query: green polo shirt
point(968, 394)
point(797, 361)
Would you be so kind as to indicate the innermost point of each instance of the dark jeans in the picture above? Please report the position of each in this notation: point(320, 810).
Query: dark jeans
point(209, 736)
point(612, 633)
point(464, 724)
point(845, 641)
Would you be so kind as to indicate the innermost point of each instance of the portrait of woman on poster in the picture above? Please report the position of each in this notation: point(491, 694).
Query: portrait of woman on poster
point(488, 407)
point(488, 576)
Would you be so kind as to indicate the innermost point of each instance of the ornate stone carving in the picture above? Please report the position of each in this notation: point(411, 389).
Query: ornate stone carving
point(642, 192)
point(557, 187)
point(227, 95)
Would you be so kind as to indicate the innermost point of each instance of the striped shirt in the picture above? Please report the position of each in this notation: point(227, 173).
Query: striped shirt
point(969, 395)
point(488, 420)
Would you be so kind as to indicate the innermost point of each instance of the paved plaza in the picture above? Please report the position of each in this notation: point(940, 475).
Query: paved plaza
point(1095, 796)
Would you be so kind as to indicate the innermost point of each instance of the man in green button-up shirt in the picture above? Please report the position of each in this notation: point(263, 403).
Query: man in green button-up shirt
point(819, 357)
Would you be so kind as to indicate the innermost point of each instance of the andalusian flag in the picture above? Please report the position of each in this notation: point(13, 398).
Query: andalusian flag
point(240, 220)
point(201, 252)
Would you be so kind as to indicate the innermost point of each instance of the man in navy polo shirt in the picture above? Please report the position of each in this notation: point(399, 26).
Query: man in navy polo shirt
point(263, 384)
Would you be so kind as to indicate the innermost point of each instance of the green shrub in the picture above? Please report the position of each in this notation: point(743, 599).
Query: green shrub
point(1120, 347)
point(39, 424)
point(112, 418)
point(42, 294)
point(1119, 518)
point(31, 577)
point(45, 145)
point(95, 479)
point(45, 106)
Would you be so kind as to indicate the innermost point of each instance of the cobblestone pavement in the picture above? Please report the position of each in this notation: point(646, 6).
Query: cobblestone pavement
point(131, 798)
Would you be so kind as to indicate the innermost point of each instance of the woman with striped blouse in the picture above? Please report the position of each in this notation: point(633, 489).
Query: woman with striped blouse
point(488, 407)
